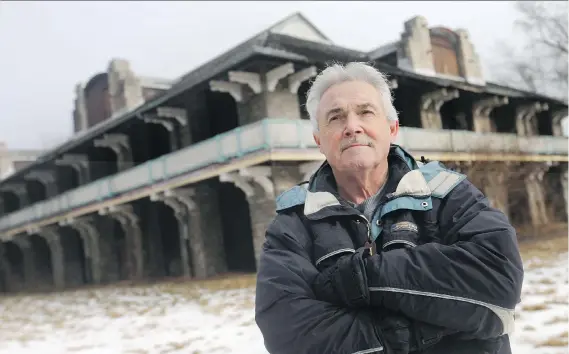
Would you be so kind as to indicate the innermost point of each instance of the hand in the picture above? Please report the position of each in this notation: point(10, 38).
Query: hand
point(345, 282)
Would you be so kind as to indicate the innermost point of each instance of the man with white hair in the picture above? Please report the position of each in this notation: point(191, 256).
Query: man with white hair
point(379, 253)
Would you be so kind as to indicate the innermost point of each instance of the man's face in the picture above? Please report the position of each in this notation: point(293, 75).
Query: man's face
point(354, 132)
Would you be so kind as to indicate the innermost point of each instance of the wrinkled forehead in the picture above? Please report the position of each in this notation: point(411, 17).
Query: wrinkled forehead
point(351, 95)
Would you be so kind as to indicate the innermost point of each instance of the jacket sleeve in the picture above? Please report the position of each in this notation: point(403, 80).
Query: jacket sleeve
point(291, 320)
point(470, 283)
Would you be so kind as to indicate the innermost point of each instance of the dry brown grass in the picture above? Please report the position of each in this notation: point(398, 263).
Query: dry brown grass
point(556, 319)
point(534, 307)
point(551, 242)
point(559, 341)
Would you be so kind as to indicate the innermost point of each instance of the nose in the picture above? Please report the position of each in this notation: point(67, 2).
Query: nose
point(353, 125)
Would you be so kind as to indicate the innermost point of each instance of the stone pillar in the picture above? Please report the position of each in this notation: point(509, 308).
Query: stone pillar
point(129, 222)
point(261, 185)
point(25, 245)
point(526, 118)
point(80, 163)
point(469, 59)
point(564, 185)
point(206, 232)
point(556, 120)
point(269, 94)
point(481, 110)
point(175, 121)
point(119, 143)
point(80, 110)
point(47, 178)
point(496, 188)
point(181, 203)
point(125, 90)
point(53, 238)
point(87, 230)
point(21, 192)
point(536, 196)
point(415, 52)
point(431, 103)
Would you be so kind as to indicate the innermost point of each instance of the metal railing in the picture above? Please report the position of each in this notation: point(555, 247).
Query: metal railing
point(264, 135)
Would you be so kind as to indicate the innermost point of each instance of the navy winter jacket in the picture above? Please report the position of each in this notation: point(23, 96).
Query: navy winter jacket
point(443, 274)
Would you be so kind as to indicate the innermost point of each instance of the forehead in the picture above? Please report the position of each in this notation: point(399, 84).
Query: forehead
point(349, 93)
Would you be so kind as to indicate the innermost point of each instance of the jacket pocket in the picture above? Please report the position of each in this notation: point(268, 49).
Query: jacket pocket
point(402, 234)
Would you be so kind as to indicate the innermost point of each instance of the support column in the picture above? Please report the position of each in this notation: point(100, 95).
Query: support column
point(556, 120)
point(21, 192)
point(495, 188)
point(536, 196)
point(47, 178)
point(260, 192)
point(268, 94)
point(120, 145)
point(564, 186)
point(79, 163)
point(307, 169)
point(175, 121)
point(128, 220)
point(180, 201)
point(481, 113)
point(526, 118)
point(53, 238)
point(85, 226)
point(431, 103)
point(25, 245)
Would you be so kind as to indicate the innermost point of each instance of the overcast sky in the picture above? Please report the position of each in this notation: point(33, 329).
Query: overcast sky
point(47, 47)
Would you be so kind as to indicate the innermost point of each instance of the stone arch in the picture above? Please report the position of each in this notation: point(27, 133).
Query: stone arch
point(43, 268)
point(259, 192)
point(74, 259)
point(10, 201)
point(15, 270)
point(554, 193)
point(129, 246)
point(526, 118)
point(19, 198)
point(89, 235)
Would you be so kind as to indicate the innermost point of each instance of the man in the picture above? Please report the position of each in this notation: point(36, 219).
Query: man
point(380, 253)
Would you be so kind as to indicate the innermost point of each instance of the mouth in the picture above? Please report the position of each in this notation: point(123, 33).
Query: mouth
point(354, 145)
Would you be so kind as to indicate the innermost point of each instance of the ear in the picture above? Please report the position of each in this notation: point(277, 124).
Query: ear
point(393, 130)
point(316, 139)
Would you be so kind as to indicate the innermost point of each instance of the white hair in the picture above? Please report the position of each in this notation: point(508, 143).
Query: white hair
point(355, 71)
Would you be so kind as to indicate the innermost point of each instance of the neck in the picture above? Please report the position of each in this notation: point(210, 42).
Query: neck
point(357, 186)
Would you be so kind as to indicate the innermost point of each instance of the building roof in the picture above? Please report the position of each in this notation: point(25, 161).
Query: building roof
point(292, 39)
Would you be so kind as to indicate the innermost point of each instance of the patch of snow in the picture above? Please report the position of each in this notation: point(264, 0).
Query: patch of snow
point(189, 318)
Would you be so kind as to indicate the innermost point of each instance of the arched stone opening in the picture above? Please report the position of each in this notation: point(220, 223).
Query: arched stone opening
point(554, 194)
point(73, 257)
point(518, 201)
point(111, 236)
point(42, 263)
point(237, 231)
point(170, 240)
point(11, 202)
point(15, 259)
point(36, 191)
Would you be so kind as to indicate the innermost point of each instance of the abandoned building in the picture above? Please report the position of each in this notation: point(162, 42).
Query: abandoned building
point(179, 178)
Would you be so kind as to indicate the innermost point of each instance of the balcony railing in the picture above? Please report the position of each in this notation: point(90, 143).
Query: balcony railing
point(268, 134)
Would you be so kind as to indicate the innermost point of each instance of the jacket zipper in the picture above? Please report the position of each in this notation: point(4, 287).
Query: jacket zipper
point(368, 226)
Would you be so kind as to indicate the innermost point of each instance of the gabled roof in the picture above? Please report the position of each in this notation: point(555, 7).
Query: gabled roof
point(292, 39)
point(297, 25)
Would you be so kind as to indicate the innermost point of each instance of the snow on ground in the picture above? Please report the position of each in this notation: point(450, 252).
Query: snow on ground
point(217, 317)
